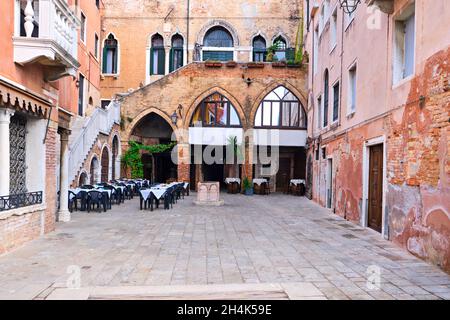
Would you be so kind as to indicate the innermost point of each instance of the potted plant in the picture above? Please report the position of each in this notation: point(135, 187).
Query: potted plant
point(231, 64)
point(255, 64)
point(248, 188)
point(213, 64)
point(293, 64)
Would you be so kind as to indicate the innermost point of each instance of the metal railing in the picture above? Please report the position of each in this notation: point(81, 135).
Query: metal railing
point(101, 121)
point(20, 200)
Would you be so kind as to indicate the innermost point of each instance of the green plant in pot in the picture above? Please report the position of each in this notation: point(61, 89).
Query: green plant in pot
point(248, 188)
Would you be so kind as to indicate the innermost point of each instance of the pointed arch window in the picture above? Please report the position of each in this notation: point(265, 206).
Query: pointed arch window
point(219, 45)
point(280, 52)
point(216, 111)
point(157, 56)
point(176, 52)
point(110, 55)
point(280, 109)
point(259, 49)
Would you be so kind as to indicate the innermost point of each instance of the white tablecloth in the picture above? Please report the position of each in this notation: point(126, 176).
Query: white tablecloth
point(76, 191)
point(297, 181)
point(231, 180)
point(259, 181)
point(186, 185)
point(104, 190)
point(158, 192)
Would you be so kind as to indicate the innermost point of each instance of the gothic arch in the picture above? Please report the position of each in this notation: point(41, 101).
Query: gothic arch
point(207, 93)
point(218, 23)
point(269, 89)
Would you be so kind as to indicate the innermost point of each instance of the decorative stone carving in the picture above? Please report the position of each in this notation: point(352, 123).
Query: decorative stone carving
point(209, 194)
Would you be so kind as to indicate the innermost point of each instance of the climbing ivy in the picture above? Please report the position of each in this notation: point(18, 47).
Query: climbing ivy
point(132, 158)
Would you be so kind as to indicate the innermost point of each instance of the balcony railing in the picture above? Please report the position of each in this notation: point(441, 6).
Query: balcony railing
point(46, 32)
point(20, 200)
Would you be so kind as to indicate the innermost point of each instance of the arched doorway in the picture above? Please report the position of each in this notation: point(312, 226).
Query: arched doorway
point(93, 170)
point(115, 152)
point(105, 165)
point(151, 130)
point(83, 179)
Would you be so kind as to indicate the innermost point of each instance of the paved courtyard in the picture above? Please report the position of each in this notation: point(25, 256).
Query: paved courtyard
point(276, 247)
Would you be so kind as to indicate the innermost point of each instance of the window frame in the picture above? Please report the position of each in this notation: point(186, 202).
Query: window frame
point(161, 53)
point(83, 27)
point(301, 112)
point(351, 107)
point(224, 101)
point(259, 51)
point(117, 57)
point(338, 85)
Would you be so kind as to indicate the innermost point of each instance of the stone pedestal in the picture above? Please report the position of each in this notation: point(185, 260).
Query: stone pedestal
point(208, 194)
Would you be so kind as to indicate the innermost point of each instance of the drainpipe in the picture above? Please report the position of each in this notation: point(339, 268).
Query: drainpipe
point(187, 29)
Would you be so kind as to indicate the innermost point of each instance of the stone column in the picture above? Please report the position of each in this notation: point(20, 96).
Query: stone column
point(184, 158)
point(5, 119)
point(167, 60)
point(64, 214)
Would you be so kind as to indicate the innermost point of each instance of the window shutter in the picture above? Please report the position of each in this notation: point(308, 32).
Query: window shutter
point(115, 60)
point(290, 54)
point(171, 60)
point(161, 61)
point(104, 59)
point(151, 62)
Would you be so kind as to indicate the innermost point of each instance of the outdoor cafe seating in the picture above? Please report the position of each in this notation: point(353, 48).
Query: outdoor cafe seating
point(169, 194)
point(261, 186)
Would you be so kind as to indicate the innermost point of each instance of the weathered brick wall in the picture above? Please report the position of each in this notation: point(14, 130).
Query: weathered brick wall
point(419, 166)
point(18, 230)
point(51, 166)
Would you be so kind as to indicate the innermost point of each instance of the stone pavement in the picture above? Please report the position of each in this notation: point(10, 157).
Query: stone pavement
point(274, 246)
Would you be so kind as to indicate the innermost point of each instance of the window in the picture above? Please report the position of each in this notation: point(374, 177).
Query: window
point(404, 45)
point(97, 3)
point(352, 90)
point(280, 108)
point(316, 51)
point(335, 102)
point(259, 49)
point(176, 52)
point(333, 30)
point(220, 38)
point(280, 52)
point(322, 19)
point(216, 111)
point(319, 111)
point(81, 95)
point(157, 56)
point(325, 99)
point(96, 43)
point(105, 103)
point(110, 56)
point(83, 28)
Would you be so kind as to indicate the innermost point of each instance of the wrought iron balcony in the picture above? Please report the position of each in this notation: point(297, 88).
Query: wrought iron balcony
point(20, 200)
point(46, 33)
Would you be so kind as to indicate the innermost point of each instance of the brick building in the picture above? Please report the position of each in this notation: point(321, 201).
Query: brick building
point(378, 112)
point(49, 107)
point(170, 58)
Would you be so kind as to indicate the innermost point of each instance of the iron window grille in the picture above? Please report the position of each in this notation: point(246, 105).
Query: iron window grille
point(20, 200)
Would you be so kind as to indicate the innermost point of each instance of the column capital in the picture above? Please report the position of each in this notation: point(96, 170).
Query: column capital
point(6, 114)
point(64, 133)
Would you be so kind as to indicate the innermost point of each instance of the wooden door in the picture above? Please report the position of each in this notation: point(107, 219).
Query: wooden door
point(284, 174)
point(375, 187)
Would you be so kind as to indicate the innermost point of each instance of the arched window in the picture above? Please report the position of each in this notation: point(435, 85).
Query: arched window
point(216, 111)
point(110, 55)
point(325, 98)
point(218, 43)
point(280, 108)
point(259, 49)
point(176, 52)
point(280, 52)
point(157, 55)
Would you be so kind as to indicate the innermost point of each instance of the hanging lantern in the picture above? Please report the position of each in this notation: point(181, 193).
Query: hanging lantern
point(349, 6)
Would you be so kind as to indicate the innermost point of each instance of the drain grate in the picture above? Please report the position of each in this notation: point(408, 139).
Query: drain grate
point(349, 236)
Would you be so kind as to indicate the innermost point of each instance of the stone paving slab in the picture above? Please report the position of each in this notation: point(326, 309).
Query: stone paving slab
point(276, 239)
